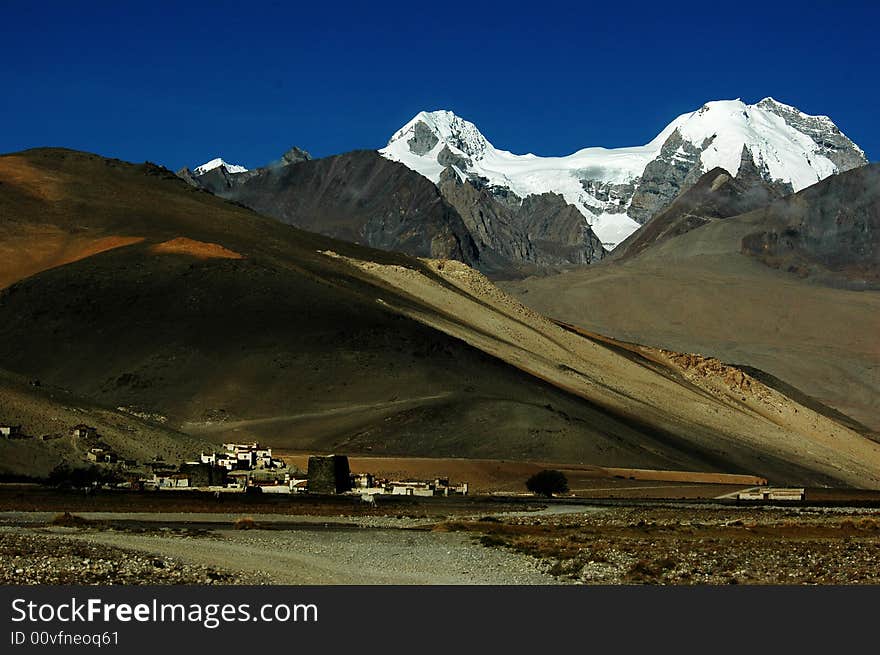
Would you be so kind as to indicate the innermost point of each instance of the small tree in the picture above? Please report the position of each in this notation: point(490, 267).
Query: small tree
point(547, 483)
point(80, 478)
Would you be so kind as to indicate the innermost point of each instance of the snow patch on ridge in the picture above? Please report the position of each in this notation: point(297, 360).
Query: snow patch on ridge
point(217, 163)
point(718, 130)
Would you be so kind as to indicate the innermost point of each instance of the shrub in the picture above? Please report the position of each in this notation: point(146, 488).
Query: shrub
point(64, 475)
point(492, 540)
point(547, 483)
point(245, 523)
point(69, 520)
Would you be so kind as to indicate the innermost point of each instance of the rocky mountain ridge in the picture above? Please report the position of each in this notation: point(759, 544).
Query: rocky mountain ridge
point(617, 190)
point(367, 199)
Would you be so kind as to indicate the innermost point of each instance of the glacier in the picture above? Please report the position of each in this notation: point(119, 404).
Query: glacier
point(788, 147)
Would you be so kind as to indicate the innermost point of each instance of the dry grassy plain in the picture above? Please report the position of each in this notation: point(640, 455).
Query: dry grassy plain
point(488, 476)
point(697, 293)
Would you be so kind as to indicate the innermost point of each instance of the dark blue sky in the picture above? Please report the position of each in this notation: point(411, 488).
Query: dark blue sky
point(181, 82)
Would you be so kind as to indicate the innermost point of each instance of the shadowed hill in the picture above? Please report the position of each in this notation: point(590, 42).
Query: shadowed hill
point(364, 198)
point(715, 195)
point(358, 197)
point(236, 326)
point(829, 231)
point(279, 331)
point(47, 414)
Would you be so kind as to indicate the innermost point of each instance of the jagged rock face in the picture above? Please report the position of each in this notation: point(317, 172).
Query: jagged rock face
point(504, 195)
point(540, 233)
point(613, 197)
point(423, 139)
point(832, 143)
point(617, 190)
point(756, 176)
point(187, 176)
point(220, 181)
point(558, 230)
point(674, 170)
point(447, 158)
point(294, 156)
point(716, 195)
point(830, 231)
point(501, 243)
point(217, 180)
point(367, 199)
point(359, 197)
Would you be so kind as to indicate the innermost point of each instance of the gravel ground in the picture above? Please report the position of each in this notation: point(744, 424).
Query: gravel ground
point(682, 546)
point(562, 544)
point(331, 552)
point(49, 559)
point(220, 520)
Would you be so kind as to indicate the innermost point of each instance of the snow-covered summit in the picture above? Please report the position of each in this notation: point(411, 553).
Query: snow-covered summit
point(217, 163)
point(448, 128)
point(618, 189)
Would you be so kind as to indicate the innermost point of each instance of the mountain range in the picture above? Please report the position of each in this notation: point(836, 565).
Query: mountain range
point(338, 304)
point(619, 189)
point(524, 214)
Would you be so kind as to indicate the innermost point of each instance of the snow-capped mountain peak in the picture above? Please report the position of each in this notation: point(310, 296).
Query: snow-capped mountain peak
point(455, 132)
point(619, 189)
point(217, 163)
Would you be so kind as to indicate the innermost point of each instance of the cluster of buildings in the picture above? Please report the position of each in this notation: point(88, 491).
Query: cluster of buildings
point(9, 431)
point(242, 457)
point(772, 493)
point(236, 468)
point(245, 467)
point(330, 474)
point(364, 483)
point(251, 467)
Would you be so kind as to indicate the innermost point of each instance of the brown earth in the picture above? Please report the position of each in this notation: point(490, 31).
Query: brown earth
point(193, 248)
point(697, 294)
point(33, 249)
point(685, 546)
point(33, 180)
point(439, 360)
point(52, 412)
point(493, 476)
point(632, 382)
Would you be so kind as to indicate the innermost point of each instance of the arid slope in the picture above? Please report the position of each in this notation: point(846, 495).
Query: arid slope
point(713, 407)
point(697, 292)
point(47, 414)
point(233, 325)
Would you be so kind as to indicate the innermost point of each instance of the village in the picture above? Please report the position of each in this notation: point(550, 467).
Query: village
point(241, 468)
point(251, 468)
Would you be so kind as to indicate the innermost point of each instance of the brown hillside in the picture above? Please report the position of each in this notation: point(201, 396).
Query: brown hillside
point(698, 292)
point(308, 343)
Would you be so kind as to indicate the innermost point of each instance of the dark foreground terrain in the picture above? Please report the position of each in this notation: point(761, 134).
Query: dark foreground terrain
point(482, 541)
point(690, 545)
point(34, 559)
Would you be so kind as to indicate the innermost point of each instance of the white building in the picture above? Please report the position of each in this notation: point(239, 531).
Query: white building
point(242, 456)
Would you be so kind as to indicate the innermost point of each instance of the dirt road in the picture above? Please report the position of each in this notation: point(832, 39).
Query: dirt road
point(319, 550)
